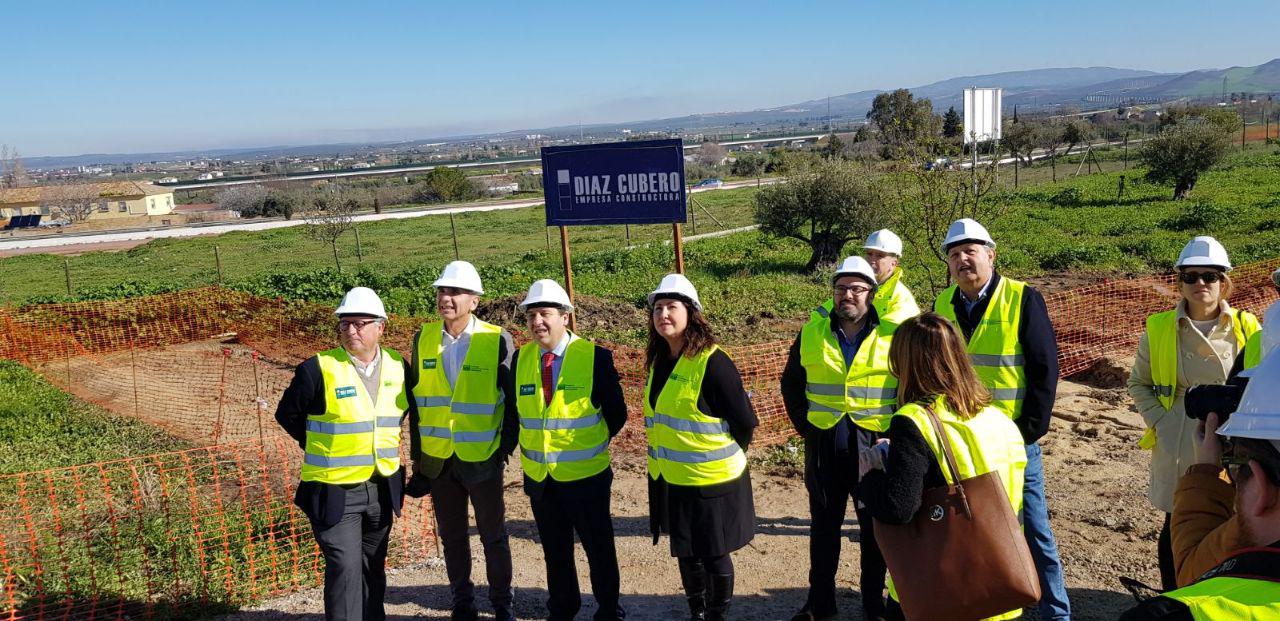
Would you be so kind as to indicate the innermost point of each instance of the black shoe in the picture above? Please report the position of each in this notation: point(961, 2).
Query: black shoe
point(719, 596)
point(464, 613)
point(503, 614)
point(806, 614)
point(694, 580)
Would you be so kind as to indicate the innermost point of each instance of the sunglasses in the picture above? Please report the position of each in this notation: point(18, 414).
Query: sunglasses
point(1207, 278)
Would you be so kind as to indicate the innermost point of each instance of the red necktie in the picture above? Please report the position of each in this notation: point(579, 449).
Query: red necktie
point(548, 389)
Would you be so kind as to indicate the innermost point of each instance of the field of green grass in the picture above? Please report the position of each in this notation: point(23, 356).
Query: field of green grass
point(44, 427)
point(749, 282)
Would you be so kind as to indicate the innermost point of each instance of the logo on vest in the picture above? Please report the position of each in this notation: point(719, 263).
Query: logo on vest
point(342, 392)
point(571, 387)
point(527, 389)
point(936, 513)
point(474, 368)
point(676, 377)
point(429, 363)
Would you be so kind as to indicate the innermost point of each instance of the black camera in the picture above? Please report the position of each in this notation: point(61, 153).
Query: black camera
point(1221, 398)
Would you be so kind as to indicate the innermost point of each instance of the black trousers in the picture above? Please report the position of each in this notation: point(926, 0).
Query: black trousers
point(561, 509)
point(355, 555)
point(833, 481)
point(449, 497)
point(1164, 553)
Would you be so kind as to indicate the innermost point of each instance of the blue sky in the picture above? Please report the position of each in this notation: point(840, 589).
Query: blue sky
point(118, 77)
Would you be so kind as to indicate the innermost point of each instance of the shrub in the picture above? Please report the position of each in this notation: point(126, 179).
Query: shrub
point(1200, 216)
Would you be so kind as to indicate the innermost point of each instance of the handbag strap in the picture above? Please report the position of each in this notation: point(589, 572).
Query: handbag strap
point(949, 457)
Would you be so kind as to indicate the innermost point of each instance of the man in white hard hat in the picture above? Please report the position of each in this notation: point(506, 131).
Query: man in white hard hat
point(1011, 342)
point(569, 405)
point(894, 302)
point(344, 407)
point(1242, 514)
point(839, 393)
point(459, 377)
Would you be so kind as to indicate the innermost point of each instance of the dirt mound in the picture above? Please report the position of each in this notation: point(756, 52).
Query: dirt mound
point(1105, 373)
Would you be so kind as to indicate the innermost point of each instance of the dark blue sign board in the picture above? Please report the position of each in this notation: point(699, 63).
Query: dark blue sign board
point(639, 182)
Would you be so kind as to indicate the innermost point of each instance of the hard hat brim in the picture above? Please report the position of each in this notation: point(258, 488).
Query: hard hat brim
point(524, 306)
point(453, 283)
point(947, 246)
point(1202, 262)
point(671, 295)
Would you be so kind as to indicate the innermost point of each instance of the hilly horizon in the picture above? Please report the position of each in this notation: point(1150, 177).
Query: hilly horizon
point(1037, 88)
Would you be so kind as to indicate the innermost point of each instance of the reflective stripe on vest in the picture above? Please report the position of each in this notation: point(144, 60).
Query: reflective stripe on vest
point(1162, 345)
point(988, 442)
point(894, 303)
point(464, 420)
point(994, 347)
point(353, 438)
point(687, 447)
point(567, 440)
point(866, 391)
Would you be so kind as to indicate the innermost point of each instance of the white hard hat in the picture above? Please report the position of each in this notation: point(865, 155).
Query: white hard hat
point(361, 301)
point(1204, 251)
point(678, 285)
point(546, 291)
point(967, 230)
point(884, 240)
point(1258, 416)
point(856, 266)
point(461, 275)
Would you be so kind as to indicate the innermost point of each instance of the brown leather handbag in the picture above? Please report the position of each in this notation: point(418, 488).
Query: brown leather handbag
point(963, 556)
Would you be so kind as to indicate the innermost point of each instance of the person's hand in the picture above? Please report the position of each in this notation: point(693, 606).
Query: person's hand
point(417, 487)
point(873, 457)
point(1208, 445)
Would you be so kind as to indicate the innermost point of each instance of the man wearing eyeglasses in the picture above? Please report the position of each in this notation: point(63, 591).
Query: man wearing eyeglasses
point(1242, 513)
point(459, 379)
point(1010, 340)
point(344, 407)
point(839, 394)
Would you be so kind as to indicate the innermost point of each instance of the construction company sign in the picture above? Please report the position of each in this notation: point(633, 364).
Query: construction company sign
point(640, 182)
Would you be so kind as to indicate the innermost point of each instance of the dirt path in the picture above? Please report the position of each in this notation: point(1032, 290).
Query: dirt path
point(1097, 485)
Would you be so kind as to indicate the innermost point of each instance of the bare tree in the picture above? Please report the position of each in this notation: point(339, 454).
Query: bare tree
point(711, 154)
point(246, 200)
point(75, 201)
point(1050, 138)
point(930, 200)
point(330, 213)
point(13, 173)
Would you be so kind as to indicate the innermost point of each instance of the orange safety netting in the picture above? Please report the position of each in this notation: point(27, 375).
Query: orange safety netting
point(214, 526)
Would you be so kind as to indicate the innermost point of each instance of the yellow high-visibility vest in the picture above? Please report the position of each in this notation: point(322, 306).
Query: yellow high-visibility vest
point(1245, 586)
point(893, 301)
point(353, 438)
point(1162, 340)
point(866, 391)
point(567, 440)
point(988, 442)
point(464, 420)
point(994, 347)
point(687, 447)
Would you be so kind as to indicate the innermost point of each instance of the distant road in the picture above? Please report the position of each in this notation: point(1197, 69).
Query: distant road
point(113, 240)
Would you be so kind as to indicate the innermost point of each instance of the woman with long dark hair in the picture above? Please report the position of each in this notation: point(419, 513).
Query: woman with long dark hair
point(699, 422)
point(935, 377)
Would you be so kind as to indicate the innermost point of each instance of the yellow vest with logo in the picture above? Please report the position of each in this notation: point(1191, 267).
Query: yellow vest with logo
point(994, 347)
point(988, 442)
point(567, 439)
point(866, 391)
point(687, 447)
point(353, 438)
point(893, 301)
point(464, 420)
point(1162, 340)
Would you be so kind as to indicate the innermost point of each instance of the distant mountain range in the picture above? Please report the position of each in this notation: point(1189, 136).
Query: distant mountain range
point(1086, 87)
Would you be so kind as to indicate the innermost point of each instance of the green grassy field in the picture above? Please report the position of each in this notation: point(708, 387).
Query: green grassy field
point(44, 427)
point(749, 282)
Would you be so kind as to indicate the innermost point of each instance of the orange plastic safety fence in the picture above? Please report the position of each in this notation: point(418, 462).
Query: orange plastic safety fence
point(215, 526)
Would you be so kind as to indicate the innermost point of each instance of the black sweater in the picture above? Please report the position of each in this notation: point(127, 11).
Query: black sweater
point(893, 495)
point(1039, 350)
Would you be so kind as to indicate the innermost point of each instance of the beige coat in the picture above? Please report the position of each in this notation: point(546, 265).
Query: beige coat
point(1201, 360)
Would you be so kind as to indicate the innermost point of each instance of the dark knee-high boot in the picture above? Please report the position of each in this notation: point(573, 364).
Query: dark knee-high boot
point(719, 597)
point(693, 576)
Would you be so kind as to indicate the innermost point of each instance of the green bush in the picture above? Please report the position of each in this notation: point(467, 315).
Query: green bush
point(1201, 216)
point(1068, 197)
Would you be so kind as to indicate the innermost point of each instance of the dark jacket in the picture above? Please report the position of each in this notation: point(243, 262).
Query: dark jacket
point(893, 495)
point(1039, 350)
point(1255, 563)
point(606, 394)
point(431, 467)
point(323, 503)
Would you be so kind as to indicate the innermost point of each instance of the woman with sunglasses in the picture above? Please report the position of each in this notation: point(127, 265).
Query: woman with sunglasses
point(1195, 343)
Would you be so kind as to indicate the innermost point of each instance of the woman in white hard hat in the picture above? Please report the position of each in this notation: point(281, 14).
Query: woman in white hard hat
point(1195, 343)
point(698, 421)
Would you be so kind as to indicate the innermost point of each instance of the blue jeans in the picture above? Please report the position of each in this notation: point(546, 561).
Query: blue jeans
point(1044, 550)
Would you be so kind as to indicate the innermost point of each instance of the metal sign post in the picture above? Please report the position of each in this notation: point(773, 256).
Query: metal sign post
point(568, 271)
point(678, 242)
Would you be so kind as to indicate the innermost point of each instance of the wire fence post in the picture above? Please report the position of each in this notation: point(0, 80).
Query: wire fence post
point(66, 270)
point(217, 261)
point(359, 252)
point(133, 364)
point(454, 226)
